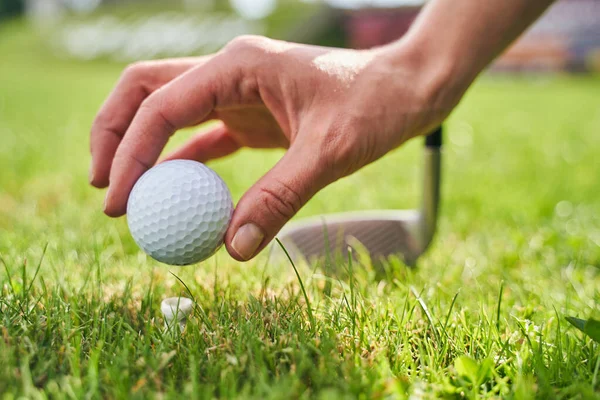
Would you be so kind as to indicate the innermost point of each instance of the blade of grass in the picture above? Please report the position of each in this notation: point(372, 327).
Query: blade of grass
point(450, 309)
point(37, 270)
point(311, 317)
point(427, 313)
point(352, 294)
point(499, 306)
point(12, 287)
point(202, 313)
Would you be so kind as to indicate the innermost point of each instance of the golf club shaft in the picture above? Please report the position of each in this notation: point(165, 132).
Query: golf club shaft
point(431, 189)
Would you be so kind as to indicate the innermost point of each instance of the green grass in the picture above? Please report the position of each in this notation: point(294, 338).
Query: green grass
point(483, 315)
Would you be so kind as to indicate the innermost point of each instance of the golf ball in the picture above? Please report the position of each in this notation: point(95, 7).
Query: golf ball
point(178, 212)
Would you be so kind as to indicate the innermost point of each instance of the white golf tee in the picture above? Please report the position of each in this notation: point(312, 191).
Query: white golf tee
point(176, 310)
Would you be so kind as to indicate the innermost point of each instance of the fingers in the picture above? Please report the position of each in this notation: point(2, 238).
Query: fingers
point(135, 85)
point(273, 201)
point(185, 101)
point(206, 146)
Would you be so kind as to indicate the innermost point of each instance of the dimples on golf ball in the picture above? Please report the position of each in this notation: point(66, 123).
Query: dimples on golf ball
point(178, 212)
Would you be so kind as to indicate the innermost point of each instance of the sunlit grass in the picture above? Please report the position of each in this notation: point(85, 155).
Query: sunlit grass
point(518, 250)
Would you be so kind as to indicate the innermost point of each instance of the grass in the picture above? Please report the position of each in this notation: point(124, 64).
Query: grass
point(518, 250)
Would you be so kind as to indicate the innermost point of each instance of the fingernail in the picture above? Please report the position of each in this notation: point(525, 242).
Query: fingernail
point(247, 240)
point(91, 175)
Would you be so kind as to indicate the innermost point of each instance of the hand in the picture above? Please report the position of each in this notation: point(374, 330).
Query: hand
point(334, 110)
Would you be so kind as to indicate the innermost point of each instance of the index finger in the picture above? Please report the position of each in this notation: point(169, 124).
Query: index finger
point(137, 82)
point(185, 101)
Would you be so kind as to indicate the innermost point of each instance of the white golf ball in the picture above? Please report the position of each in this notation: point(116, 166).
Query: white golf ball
point(179, 211)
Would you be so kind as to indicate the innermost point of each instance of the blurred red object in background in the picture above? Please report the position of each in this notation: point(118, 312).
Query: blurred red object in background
point(567, 37)
point(371, 28)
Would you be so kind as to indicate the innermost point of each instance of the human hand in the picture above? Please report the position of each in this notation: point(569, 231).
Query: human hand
point(335, 111)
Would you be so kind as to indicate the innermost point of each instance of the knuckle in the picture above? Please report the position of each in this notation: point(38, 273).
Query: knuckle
point(128, 158)
point(151, 103)
point(247, 44)
point(100, 121)
point(104, 123)
point(139, 75)
point(281, 200)
point(141, 67)
point(154, 107)
point(135, 70)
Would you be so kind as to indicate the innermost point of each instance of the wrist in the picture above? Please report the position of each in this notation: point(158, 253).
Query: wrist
point(441, 77)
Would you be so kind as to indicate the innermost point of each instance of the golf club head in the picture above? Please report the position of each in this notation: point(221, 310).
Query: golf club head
point(405, 234)
point(382, 234)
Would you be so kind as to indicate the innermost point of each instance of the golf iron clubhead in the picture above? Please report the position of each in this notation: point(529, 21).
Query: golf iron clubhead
point(403, 233)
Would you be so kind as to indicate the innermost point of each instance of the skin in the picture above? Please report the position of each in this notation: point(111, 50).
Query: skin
point(334, 110)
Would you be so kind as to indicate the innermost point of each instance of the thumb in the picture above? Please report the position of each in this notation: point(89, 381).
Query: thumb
point(273, 201)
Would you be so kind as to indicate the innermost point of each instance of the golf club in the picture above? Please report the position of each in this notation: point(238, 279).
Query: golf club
point(403, 233)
